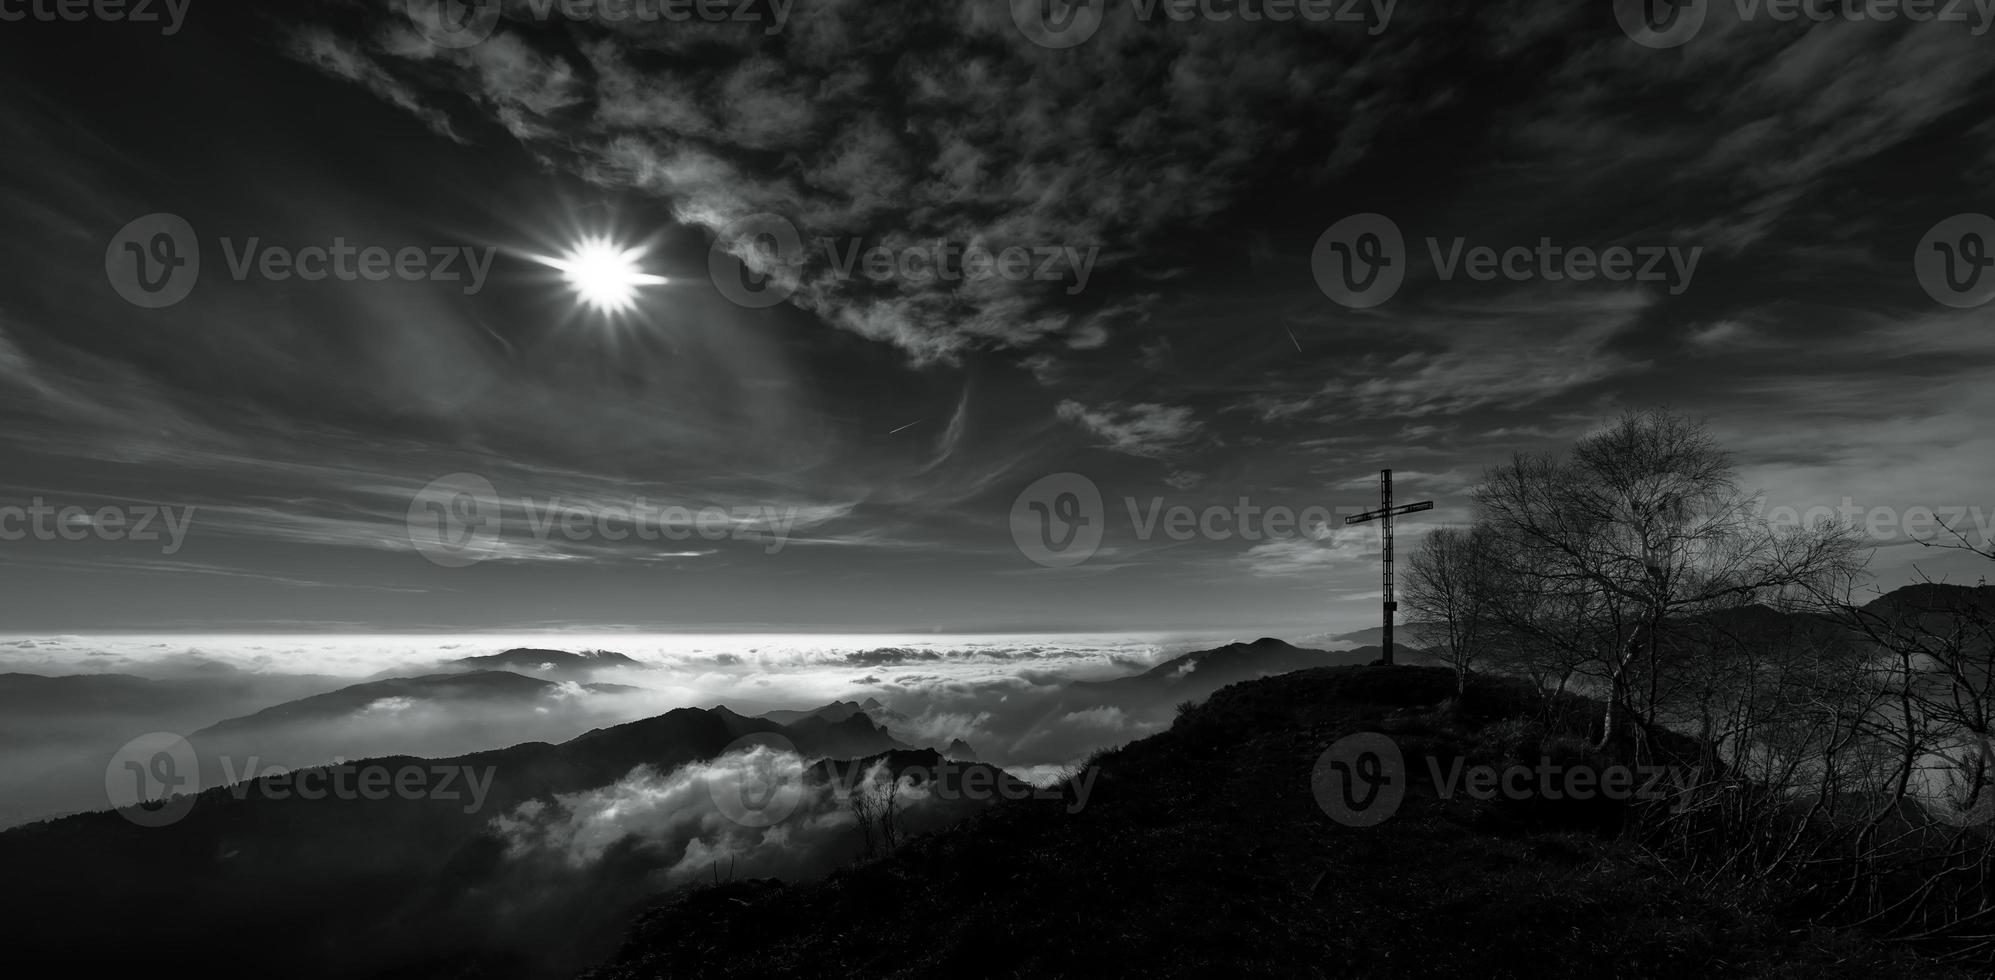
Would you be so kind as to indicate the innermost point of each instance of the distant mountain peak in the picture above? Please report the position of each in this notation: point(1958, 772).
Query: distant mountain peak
point(836, 711)
point(489, 686)
point(1264, 643)
point(1937, 596)
point(595, 657)
point(536, 661)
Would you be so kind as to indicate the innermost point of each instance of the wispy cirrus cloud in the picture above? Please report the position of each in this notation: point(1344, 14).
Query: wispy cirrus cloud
point(1142, 429)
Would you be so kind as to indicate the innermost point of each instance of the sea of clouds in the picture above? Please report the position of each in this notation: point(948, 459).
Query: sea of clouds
point(1003, 694)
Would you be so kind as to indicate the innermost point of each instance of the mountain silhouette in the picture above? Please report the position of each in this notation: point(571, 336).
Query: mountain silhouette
point(835, 711)
point(1194, 676)
point(548, 663)
point(59, 730)
point(892, 722)
point(484, 686)
point(1417, 634)
point(345, 886)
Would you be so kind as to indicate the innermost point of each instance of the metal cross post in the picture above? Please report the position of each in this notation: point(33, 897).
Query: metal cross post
point(1384, 515)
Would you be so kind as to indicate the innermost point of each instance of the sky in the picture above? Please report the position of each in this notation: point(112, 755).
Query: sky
point(841, 453)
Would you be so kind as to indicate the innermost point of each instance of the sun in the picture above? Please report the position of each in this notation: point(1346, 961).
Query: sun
point(604, 274)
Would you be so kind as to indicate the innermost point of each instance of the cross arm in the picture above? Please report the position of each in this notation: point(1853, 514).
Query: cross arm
point(1372, 515)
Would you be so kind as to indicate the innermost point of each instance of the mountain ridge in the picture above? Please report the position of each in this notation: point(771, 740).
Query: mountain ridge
point(1450, 887)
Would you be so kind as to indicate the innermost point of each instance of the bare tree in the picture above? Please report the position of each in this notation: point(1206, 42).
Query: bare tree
point(1634, 528)
point(1844, 746)
point(1447, 586)
point(1857, 759)
point(877, 812)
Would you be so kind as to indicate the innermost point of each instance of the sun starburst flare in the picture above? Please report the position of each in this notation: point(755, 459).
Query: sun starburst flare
point(605, 276)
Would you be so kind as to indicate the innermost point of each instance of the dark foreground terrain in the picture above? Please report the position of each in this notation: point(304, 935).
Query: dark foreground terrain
point(1203, 852)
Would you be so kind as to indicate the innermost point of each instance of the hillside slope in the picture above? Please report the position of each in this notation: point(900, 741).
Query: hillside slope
point(1204, 852)
point(363, 882)
point(1194, 676)
point(492, 687)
